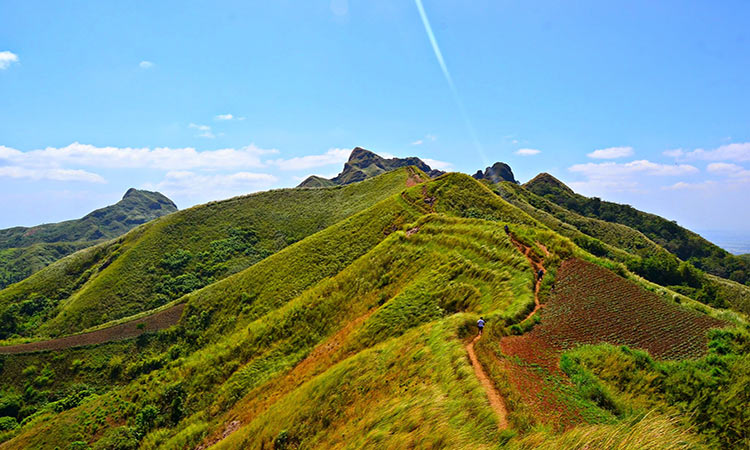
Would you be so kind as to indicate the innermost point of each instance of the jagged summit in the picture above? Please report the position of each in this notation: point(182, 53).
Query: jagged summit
point(497, 173)
point(363, 164)
point(547, 181)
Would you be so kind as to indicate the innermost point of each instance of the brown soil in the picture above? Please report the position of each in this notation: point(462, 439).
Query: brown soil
point(413, 179)
point(134, 328)
point(496, 401)
point(593, 305)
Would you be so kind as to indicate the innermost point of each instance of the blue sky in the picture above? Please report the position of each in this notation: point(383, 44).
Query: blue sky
point(638, 102)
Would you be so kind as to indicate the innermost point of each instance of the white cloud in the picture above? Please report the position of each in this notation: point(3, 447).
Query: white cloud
point(50, 174)
point(164, 158)
point(728, 169)
point(211, 186)
point(145, 64)
point(611, 176)
point(427, 137)
point(332, 156)
point(611, 153)
point(439, 165)
point(6, 59)
point(739, 152)
point(676, 153)
point(224, 117)
point(685, 186)
point(612, 169)
point(203, 131)
point(528, 151)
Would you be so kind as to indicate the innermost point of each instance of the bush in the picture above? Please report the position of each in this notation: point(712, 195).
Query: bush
point(8, 423)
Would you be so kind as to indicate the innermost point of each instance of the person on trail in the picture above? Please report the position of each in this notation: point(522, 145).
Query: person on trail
point(480, 324)
point(507, 230)
point(540, 274)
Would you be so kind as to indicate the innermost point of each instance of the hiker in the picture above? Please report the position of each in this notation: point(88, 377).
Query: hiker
point(540, 274)
point(480, 324)
point(507, 230)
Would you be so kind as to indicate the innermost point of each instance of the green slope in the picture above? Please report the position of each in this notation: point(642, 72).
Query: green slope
point(624, 244)
point(687, 245)
point(24, 251)
point(352, 336)
point(166, 258)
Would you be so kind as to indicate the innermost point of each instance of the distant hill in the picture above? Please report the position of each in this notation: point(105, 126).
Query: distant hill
point(25, 250)
point(363, 164)
point(683, 243)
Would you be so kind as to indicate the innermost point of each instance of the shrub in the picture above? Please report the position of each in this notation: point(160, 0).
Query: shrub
point(8, 423)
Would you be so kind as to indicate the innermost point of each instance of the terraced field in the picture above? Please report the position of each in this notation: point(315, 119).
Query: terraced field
point(592, 305)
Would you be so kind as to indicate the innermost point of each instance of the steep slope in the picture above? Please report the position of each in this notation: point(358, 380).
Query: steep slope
point(351, 337)
point(624, 244)
point(24, 251)
point(556, 217)
point(164, 259)
point(687, 245)
point(363, 164)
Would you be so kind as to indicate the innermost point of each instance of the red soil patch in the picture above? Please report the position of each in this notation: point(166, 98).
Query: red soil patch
point(592, 305)
point(413, 179)
point(134, 328)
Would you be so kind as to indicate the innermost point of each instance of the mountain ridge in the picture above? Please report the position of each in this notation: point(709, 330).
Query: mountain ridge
point(363, 164)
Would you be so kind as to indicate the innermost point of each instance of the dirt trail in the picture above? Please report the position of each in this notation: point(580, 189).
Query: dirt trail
point(537, 265)
point(154, 322)
point(496, 401)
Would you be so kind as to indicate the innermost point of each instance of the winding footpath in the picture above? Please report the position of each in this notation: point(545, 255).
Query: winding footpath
point(496, 400)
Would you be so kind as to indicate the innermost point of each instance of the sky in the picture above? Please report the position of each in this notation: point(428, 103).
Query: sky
point(638, 102)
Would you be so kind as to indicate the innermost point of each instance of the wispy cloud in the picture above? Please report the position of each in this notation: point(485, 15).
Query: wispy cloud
point(332, 156)
point(612, 176)
point(164, 158)
point(728, 169)
point(145, 64)
point(437, 164)
point(427, 138)
point(611, 153)
point(211, 186)
point(204, 131)
point(686, 186)
point(738, 152)
point(528, 151)
point(225, 117)
point(50, 174)
point(6, 59)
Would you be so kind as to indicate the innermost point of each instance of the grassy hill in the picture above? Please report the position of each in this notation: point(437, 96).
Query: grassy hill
point(683, 243)
point(355, 335)
point(167, 258)
point(24, 251)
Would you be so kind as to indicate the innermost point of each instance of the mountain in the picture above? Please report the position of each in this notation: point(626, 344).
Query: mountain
point(683, 243)
point(496, 173)
point(346, 317)
point(25, 250)
point(363, 164)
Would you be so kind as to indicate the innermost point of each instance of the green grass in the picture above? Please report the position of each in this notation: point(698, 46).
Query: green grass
point(126, 276)
point(350, 336)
